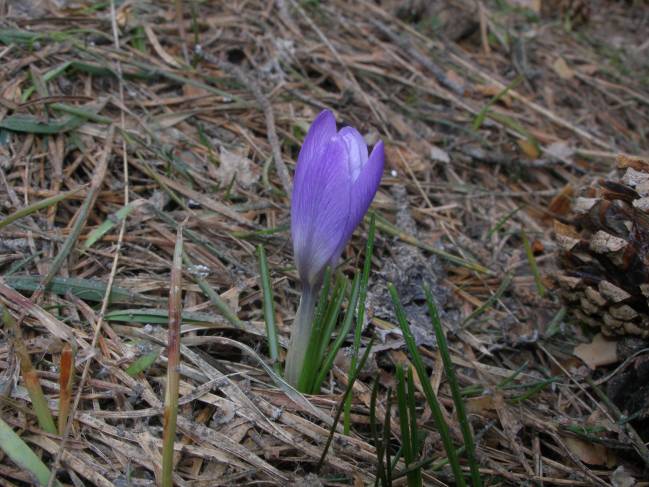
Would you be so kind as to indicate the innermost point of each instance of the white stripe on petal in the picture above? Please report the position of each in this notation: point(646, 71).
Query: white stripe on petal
point(357, 150)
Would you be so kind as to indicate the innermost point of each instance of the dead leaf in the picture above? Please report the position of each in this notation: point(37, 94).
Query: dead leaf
point(410, 157)
point(509, 421)
point(493, 90)
point(123, 16)
point(597, 353)
point(560, 204)
point(561, 150)
point(562, 69)
point(437, 154)
point(194, 91)
point(157, 47)
point(533, 5)
point(167, 120)
point(480, 404)
point(529, 148)
point(590, 453)
point(399, 358)
point(456, 80)
point(231, 297)
point(589, 69)
point(236, 165)
point(621, 477)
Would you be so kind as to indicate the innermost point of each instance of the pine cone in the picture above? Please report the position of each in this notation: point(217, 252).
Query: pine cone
point(605, 252)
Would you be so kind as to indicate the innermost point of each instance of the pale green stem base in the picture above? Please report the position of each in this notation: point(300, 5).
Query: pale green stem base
point(300, 336)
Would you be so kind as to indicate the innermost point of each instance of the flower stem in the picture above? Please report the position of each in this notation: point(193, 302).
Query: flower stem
point(300, 335)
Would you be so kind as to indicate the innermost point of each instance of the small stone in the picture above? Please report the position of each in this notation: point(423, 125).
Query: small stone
point(439, 155)
point(621, 477)
point(199, 270)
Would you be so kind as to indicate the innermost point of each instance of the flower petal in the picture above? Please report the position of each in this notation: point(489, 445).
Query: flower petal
point(320, 132)
point(320, 208)
point(357, 149)
point(363, 190)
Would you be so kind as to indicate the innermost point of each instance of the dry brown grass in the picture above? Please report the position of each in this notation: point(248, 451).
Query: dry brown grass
point(193, 112)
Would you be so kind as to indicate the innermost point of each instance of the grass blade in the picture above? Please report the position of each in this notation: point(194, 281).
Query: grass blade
point(491, 301)
point(533, 265)
point(324, 330)
point(415, 436)
point(269, 309)
point(348, 390)
point(81, 113)
point(191, 235)
point(173, 362)
point(30, 377)
point(66, 378)
point(636, 440)
point(465, 426)
point(365, 277)
point(342, 334)
point(380, 467)
point(323, 297)
point(156, 316)
point(39, 205)
point(387, 435)
point(84, 210)
point(501, 223)
point(482, 114)
point(86, 289)
point(405, 423)
point(320, 335)
point(554, 326)
point(384, 225)
point(143, 363)
point(215, 299)
point(94, 236)
point(22, 455)
point(332, 317)
point(47, 77)
point(34, 125)
point(428, 389)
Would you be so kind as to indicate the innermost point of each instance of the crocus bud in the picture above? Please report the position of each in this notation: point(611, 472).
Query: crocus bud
point(335, 182)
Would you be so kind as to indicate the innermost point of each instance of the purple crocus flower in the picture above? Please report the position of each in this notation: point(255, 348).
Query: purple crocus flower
point(335, 182)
